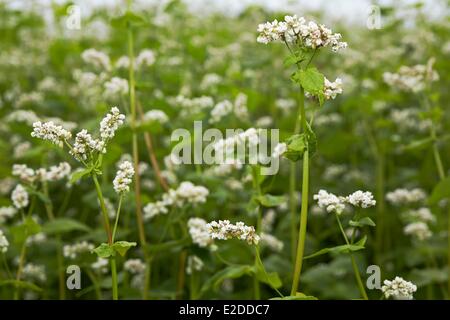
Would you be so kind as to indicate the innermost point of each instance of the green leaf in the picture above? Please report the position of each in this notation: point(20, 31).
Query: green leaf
point(418, 144)
point(296, 146)
point(104, 251)
point(63, 225)
point(292, 59)
point(132, 18)
point(20, 284)
point(346, 248)
point(366, 221)
point(440, 191)
point(298, 296)
point(123, 246)
point(310, 79)
point(231, 272)
point(270, 278)
point(78, 174)
point(32, 227)
point(269, 200)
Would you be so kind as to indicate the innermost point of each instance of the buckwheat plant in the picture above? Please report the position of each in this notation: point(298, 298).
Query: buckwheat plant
point(304, 40)
point(337, 205)
point(89, 150)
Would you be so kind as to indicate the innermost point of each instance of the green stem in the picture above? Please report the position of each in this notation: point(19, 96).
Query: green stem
point(117, 218)
point(257, 187)
point(114, 279)
point(362, 290)
point(103, 208)
point(293, 207)
point(304, 204)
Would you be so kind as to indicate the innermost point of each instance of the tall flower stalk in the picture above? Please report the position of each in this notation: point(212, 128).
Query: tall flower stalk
point(303, 40)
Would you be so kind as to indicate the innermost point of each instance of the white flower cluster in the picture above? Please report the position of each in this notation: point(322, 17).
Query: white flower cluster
point(418, 230)
point(72, 251)
point(7, 213)
point(332, 89)
point(330, 201)
point(96, 58)
point(403, 196)
point(220, 110)
point(336, 204)
point(328, 119)
point(110, 123)
point(422, 214)
point(4, 244)
point(297, 30)
point(272, 242)
point(54, 173)
point(409, 119)
point(186, 192)
point(361, 199)
point(227, 146)
point(134, 266)
point(116, 87)
point(194, 263)
point(85, 144)
point(34, 272)
point(210, 80)
point(413, 79)
point(100, 265)
point(19, 197)
point(224, 230)
point(51, 132)
point(198, 231)
point(191, 106)
point(37, 238)
point(145, 58)
point(268, 220)
point(399, 289)
point(123, 177)
point(225, 169)
point(279, 150)
point(156, 116)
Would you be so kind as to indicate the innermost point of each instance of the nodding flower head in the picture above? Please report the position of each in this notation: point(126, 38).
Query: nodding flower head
point(123, 177)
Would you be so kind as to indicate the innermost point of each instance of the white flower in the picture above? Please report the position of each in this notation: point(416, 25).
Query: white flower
point(123, 177)
point(210, 80)
point(198, 231)
point(272, 242)
point(154, 209)
point(156, 115)
point(72, 251)
point(421, 214)
point(4, 244)
point(34, 272)
point(192, 193)
point(330, 201)
point(19, 197)
point(224, 230)
point(404, 196)
point(36, 239)
point(85, 144)
point(399, 289)
point(100, 265)
point(194, 263)
point(332, 89)
point(361, 199)
point(110, 123)
point(145, 58)
point(279, 150)
point(59, 172)
point(220, 110)
point(413, 79)
point(24, 173)
point(116, 86)
point(7, 213)
point(51, 132)
point(134, 266)
point(123, 63)
point(97, 58)
point(268, 220)
point(419, 230)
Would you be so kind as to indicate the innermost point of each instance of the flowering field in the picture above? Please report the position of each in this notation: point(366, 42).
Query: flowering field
point(149, 152)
